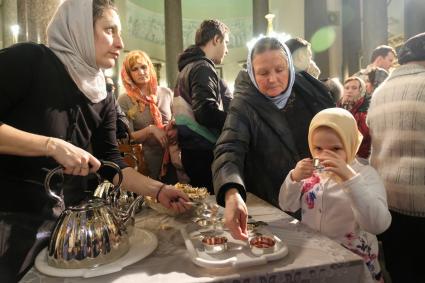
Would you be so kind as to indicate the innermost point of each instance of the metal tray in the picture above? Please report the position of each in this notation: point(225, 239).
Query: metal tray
point(237, 255)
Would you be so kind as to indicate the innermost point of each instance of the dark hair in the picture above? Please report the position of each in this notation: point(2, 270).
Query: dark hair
point(208, 29)
point(295, 43)
point(381, 50)
point(376, 76)
point(99, 6)
point(335, 88)
point(266, 44)
point(413, 49)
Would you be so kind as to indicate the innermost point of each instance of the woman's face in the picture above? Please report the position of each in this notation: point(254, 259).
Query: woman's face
point(352, 90)
point(271, 72)
point(107, 39)
point(140, 73)
point(324, 139)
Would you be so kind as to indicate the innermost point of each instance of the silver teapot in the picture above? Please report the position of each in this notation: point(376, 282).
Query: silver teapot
point(93, 233)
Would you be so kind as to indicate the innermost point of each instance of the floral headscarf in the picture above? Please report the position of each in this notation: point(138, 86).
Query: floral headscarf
point(134, 92)
point(141, 99)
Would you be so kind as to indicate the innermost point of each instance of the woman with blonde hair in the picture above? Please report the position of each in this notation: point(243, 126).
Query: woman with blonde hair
point(148, 108)
point(355, 100)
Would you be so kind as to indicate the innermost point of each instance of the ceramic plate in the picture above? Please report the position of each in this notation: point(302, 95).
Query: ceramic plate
point(142, 244)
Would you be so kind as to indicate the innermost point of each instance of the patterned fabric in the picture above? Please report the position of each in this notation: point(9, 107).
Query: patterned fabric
point(136, 95)
point(360, 242)
point(366, 246)
point(307, 190)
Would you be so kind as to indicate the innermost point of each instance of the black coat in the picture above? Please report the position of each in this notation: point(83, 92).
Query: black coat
point(199, 84)
point(259, 143)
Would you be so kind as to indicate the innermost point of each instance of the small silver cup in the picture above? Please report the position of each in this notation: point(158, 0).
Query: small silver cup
point(261, 245)
point(318, 167)
point(214, 244)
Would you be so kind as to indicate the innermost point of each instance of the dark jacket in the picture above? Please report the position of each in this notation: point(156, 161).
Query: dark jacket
point(199, 85)
point(259, 143)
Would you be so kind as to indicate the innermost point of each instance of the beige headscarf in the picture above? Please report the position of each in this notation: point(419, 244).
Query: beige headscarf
point(344, 124)
point(70, 35)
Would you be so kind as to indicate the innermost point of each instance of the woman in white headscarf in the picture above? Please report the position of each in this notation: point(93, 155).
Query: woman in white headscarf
point(54, 109)
point(265, 132)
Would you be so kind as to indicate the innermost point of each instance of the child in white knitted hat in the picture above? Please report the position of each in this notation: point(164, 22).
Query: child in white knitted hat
point(338, 196)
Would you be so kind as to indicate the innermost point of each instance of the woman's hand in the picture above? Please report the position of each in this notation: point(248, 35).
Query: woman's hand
point(236, 215)
point(335, 164)
point(159, 134)
point(75, 160)
point(302, 170)
point(171, 132)
point(173, 198)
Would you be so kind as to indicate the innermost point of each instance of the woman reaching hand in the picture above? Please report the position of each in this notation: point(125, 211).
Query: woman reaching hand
point(54, 110)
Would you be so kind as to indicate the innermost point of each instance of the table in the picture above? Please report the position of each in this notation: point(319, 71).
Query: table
point(312, 257)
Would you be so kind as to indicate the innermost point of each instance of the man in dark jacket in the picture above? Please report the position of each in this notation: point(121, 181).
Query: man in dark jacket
point(199, 86)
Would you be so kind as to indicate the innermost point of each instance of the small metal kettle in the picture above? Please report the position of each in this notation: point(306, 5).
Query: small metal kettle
point(93, 233)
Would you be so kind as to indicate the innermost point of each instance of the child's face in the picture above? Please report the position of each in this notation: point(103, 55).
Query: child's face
point(326, 139)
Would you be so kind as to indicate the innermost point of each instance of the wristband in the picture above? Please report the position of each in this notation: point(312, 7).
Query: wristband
point(157, 193)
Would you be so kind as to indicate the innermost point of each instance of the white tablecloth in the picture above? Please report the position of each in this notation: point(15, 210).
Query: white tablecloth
point(312, 257)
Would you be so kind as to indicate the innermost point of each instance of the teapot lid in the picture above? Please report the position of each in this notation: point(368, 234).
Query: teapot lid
point(90, 204)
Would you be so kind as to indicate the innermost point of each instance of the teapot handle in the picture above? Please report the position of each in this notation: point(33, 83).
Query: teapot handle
point(49, 192)
point(52, 172)
point(117, 168)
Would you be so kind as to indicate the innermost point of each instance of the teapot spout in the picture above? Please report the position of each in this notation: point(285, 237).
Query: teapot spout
point(128, 217)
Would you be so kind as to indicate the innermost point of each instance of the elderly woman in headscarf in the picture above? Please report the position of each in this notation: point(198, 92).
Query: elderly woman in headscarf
point(355, 100)
point(55, 109)
point(265, 133)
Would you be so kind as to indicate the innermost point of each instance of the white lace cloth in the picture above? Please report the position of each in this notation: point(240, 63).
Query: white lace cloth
point(312, 257)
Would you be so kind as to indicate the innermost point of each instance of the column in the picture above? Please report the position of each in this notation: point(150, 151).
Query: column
point(173, 38)
point(34, 16)
point(414, 17)
point(351, 37)
point(375, 27)
point(9, 9)
point(23, 20)
point(260, 8)
point(315, 18)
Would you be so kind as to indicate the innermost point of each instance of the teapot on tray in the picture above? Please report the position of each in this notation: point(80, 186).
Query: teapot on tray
point(93, 233)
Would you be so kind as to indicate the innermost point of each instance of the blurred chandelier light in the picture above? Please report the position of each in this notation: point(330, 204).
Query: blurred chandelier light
point(15, 32)
point(283, 36)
